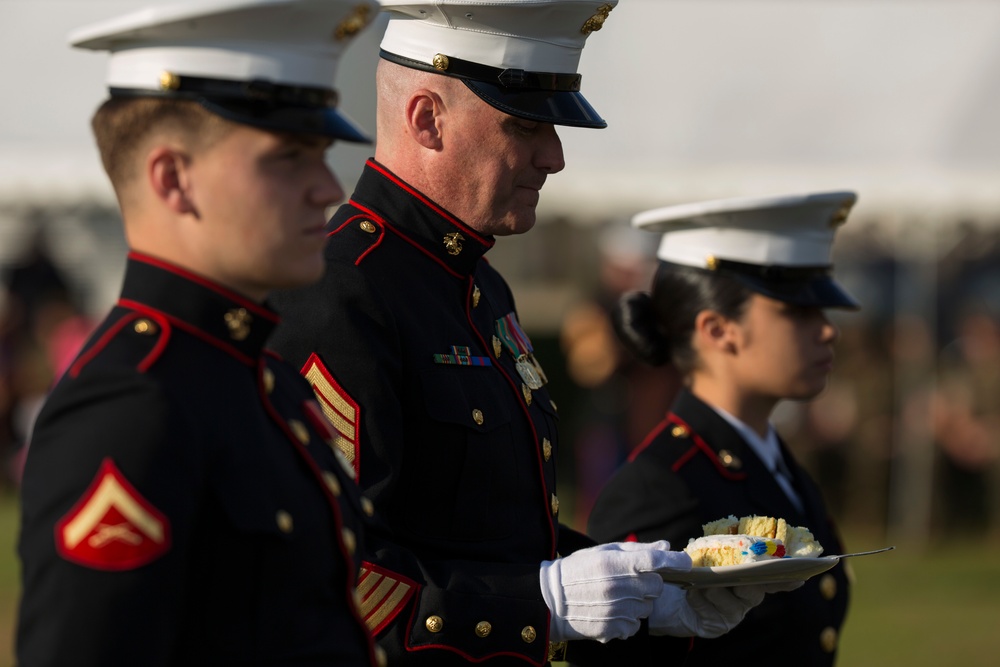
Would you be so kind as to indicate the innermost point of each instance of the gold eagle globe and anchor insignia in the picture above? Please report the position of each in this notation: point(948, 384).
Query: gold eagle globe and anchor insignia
point(596, 22)
point(238, 322)
point(360, 17)
point(840, 215)
point(453, 243)
point(440, 61)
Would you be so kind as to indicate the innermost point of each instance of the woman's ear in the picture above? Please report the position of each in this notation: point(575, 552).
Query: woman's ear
point(424, 118)
point(168, 171)
point(712, 331)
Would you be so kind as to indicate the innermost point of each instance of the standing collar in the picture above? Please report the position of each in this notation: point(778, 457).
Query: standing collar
point(414, 216)
point(198, 305)
point(766, 448)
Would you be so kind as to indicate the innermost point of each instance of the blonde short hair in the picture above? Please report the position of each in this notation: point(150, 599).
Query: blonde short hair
point(122, 126)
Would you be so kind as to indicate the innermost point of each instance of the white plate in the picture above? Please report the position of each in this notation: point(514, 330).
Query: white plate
point(761, 572)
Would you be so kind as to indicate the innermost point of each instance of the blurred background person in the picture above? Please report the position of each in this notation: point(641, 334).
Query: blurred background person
point(621, 398)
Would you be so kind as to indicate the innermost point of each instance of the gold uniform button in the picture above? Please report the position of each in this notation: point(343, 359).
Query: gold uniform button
point(367, 226)
point(300, 430)
point(729, 460)
point(476, 294)
point(828, 639)
point(367, 506)
point(828, 587)
point(546, 449)
point(526, 390)
point(332, 482)
point(144, 327)
point(484, 628)
point(268, 380)
point(497, 347)
point(350, 541)
point(381, 660)
point(284, 521)
point(555, 504)
point(679, 431)
point(434, 624)
point(528, 634)
point(477, 416)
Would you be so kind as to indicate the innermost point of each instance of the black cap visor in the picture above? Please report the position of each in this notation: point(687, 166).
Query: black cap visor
point(810, 286)
point(326, 121)
point(261, 104)
point(545, 97)
point(819, 292)
point(545, 106)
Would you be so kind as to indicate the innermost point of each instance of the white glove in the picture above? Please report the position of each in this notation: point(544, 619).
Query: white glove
point(602, 592)
point(707, 612)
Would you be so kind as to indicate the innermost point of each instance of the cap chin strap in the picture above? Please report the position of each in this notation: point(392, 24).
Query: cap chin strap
point(510, 79)
point(257, 91)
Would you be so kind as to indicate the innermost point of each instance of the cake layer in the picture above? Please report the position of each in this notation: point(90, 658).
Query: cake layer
point(732, 550)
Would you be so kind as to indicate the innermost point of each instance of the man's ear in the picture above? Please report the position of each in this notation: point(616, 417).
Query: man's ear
point(715, 332)
point(424, 115)
point(169, 175)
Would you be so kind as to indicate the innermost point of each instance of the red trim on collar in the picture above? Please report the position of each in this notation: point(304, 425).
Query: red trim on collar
point(191, 329)
point(147, 361)
point(253, 306)
point(428, 203)
point(373, 216)
point(700, 444)
point(384, 225)
point(649, 438)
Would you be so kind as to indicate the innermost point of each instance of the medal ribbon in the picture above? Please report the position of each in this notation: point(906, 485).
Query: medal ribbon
point(513, 337)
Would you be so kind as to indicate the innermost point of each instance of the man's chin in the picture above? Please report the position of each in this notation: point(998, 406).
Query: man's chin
point(517, 223)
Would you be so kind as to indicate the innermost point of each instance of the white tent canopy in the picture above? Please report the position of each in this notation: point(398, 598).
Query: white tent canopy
point(899, 100)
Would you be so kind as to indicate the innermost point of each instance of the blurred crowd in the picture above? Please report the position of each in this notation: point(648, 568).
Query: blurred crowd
point(41, 328)
point(908, 426)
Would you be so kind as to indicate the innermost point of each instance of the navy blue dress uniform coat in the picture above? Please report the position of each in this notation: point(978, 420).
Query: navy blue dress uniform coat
point(182, 503)
point(411, 342)
point(695, 468)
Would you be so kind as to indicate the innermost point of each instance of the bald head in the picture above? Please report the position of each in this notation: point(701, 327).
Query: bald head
point(398, 88)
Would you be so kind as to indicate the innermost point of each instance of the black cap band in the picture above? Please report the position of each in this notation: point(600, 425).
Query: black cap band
point(509, 78)
point(810, 286)
point(795, 274)
point(259, 103)
point(258, 90)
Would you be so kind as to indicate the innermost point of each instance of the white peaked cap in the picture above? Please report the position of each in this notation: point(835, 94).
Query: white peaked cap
point(780, 246)
point(520, 56)
point(224, 52)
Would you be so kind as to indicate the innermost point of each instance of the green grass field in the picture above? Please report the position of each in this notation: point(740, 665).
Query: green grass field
point(910, 608)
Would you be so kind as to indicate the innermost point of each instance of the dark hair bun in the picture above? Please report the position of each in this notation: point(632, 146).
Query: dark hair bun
point(635, 323)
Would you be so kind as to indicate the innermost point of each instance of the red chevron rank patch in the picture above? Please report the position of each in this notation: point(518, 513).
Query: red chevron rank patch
point(339, 408)
point(112, 527)
point(383, 594)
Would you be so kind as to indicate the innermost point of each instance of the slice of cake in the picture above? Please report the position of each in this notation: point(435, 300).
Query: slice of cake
point(732, 550)
point(731, 541)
